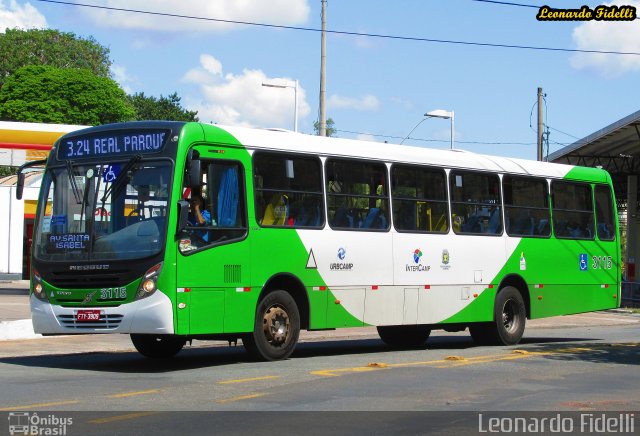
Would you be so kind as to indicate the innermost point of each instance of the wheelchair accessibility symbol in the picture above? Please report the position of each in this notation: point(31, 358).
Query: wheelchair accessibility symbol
point(110, 173)
point(584, 265)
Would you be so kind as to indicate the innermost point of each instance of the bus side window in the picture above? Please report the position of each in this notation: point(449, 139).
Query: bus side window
point(605, 217)
point(526, 202)
point(572, 210)
point(475, 202)
point(357, 196)
point(419, 199)
point(221, 197)
point(288, 190)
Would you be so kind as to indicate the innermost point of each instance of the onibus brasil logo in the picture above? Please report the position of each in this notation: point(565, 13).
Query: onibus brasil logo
point(417, 266)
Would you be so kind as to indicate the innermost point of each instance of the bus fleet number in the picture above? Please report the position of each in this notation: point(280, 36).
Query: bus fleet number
point(602, 262)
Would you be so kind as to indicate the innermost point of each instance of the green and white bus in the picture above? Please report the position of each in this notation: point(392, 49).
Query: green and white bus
point(306, 232)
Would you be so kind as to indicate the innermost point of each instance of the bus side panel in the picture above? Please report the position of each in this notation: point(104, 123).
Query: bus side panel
point(562, 276)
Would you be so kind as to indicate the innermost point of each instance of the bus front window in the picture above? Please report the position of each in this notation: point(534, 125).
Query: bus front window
point(103, 211)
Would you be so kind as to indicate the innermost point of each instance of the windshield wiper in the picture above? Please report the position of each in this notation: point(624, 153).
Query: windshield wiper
point(122, 177)
point(72, 182)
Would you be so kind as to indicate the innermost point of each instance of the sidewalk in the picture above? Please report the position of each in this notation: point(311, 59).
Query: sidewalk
point(15, 314)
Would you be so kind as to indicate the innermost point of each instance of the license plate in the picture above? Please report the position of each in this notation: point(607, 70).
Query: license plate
point(88, 315)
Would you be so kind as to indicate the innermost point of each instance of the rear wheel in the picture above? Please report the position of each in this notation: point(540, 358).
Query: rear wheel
point(157, 346)
point(510, 317)
point(404, 336)
point(276, 329)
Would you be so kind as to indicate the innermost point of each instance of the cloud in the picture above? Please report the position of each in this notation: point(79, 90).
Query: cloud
point(123, 78)
point(365, 103)
point(281, 12)
point(240, 99)
point(25, 16)
point(608, 36)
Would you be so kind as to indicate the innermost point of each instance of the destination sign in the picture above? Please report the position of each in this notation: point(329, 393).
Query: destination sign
point(113, 144)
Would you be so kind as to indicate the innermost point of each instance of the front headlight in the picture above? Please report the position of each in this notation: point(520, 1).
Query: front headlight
point(149, 283)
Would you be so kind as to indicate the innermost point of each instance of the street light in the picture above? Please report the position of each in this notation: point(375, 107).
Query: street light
point(440, 113)
point(295, 93)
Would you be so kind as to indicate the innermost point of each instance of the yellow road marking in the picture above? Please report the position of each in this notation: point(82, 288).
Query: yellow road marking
point(241, 397)
point(38, 405)
point(133, 394)
point(448, 362)
point(245, 380)
point(121, 417)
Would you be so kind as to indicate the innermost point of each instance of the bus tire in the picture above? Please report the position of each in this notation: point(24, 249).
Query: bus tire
point(276, 328)
point(404, 336)
point(510, 317)
point(157, 346)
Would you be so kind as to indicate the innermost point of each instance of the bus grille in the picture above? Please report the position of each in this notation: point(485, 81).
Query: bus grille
point(105, 322)
point(90, 279)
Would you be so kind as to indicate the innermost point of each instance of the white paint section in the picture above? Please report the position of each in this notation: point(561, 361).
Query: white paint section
point(153, 314)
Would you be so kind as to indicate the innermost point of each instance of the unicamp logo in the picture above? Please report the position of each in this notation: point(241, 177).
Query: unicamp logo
point(417, 266)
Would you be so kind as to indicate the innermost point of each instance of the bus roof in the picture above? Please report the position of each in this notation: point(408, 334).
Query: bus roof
point(279, 140)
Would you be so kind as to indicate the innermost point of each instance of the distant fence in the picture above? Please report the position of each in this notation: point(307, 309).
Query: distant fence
point(631, 294)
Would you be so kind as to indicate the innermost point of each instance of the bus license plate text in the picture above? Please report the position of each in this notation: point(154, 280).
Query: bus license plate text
point(88, 315)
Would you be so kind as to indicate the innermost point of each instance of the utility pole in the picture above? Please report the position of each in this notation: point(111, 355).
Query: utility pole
point(540, 124)
point(323, 71)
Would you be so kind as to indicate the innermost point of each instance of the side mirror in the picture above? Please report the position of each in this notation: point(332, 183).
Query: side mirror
point(195, 173)
point(183, 216)
point(20, 185)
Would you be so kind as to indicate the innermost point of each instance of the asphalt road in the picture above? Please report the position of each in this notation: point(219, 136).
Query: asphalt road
point(337, 383)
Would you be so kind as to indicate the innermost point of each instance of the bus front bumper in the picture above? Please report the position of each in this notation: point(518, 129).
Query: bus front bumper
point(151, 315)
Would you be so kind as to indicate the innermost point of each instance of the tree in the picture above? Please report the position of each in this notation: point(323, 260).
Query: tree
point(331, 130)
point(163, 108)
point(19, 48)
point(44, 94)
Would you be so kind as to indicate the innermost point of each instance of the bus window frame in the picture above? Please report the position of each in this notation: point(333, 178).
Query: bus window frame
point(446, 201)
point(592, 210)
point(323, 205)
point(387, 186)
point(242, 186)
point(548, 208)
point(452, 173)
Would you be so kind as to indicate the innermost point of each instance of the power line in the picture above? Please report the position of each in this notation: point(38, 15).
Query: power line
point(507, 3)
point(342, 32)
point(378, 135)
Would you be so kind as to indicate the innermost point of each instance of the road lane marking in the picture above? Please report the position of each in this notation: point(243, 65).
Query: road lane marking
point(246, 380)
point(121, 417)
point(241, 397)
point(133, 394)
point(447, 362)
point(38, 405)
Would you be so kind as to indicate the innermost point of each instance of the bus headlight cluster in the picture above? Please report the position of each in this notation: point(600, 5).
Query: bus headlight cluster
point(149, 283)
point(38, 289)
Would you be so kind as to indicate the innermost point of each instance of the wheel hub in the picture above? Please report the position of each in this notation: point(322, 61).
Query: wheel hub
point(509, 316)
point(276, 325)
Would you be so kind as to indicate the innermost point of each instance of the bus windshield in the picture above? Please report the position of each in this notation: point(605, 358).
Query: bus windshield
point(98, 211)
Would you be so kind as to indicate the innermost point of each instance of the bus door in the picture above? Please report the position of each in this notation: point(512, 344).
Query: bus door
point(213, 259)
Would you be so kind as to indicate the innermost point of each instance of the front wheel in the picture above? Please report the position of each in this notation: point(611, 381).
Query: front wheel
point(157, 346)
point(404, 336)
point(276, 329)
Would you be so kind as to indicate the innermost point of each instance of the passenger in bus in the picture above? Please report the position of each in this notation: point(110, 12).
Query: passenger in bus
point(198, 217)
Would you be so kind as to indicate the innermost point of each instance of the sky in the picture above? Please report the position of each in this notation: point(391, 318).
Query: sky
point(377, 88)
